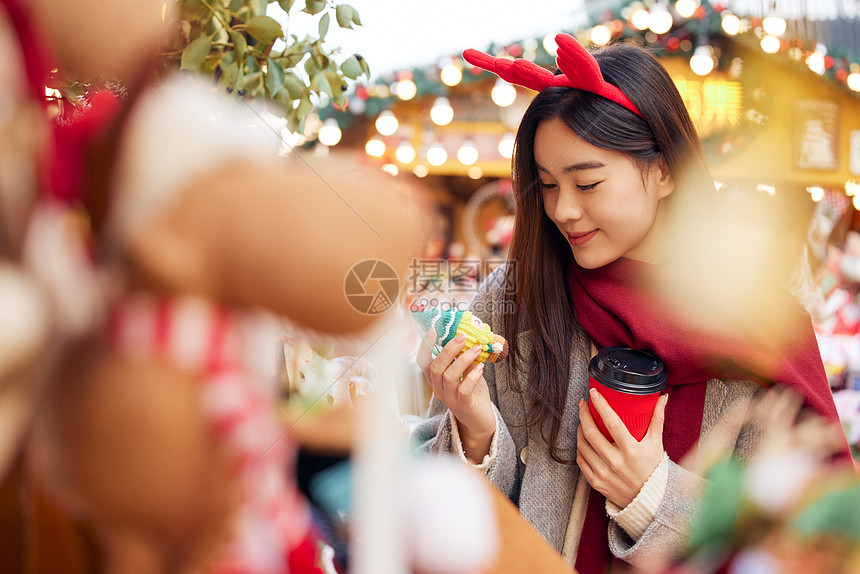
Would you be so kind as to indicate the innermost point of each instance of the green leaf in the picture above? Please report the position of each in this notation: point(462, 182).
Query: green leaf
point(320, 84)
point(252, 82)
point(192, 10)
point(195, 53)
point(229, 75)
point(351, 68)
point(364, 65)
point(324, 22)
point(355, 19)
point(274, 77)
point(305, 106)
point(343, 14)
point(285, 103)
point(295, 87)
point(240, 44)
point(286, 5)
point(314, 6)
point(835, 513)
point(311, 67)
point(337, 83)
point(720, 507)
point(265, 29)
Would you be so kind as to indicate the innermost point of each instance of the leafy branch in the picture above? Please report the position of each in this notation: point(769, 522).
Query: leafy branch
point(233, 41)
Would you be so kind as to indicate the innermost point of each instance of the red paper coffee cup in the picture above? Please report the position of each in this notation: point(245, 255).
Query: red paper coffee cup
point(631, 382)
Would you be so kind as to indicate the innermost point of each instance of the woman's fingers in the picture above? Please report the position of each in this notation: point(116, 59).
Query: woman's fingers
point(613, 423)
point(470, 380)
point(655, 429)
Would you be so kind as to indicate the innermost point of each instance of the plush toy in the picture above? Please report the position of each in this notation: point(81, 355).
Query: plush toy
point(451, 322)
point(163, 432)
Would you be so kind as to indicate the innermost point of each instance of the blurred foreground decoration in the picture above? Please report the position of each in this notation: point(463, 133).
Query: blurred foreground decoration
point(807, 522)
point(789, 511)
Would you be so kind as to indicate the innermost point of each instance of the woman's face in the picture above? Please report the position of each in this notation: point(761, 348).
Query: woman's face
point(603, 204)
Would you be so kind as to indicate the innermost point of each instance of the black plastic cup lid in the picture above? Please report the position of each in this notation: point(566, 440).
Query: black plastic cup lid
point(623, 369)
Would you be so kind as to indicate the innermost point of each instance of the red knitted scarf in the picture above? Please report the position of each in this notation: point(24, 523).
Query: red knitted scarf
point(627, 303)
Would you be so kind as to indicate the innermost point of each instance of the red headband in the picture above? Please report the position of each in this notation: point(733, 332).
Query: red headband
point(580, 70)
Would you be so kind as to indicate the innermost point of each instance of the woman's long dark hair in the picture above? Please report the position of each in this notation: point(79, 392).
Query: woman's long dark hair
point(541, 255)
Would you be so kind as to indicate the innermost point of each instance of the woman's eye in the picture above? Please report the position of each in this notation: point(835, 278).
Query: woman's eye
point(547, 186)
point(588, 186)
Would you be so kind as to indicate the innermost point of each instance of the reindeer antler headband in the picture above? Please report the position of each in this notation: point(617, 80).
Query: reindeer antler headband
point(579, 70)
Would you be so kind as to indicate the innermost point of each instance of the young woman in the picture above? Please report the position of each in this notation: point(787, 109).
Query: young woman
point(613, 245)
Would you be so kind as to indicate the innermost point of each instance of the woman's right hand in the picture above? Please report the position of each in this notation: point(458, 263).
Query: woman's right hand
point(461, 387)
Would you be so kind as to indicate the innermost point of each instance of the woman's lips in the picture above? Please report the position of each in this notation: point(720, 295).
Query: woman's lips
point(577, 239)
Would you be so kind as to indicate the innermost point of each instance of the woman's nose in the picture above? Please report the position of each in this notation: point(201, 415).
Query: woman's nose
point(568, 207)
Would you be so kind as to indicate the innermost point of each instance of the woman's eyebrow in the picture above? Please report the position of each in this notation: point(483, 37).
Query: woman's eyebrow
point(593, 164)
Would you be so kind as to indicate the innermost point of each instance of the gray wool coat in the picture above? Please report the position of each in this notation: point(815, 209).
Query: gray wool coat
point(552, 496)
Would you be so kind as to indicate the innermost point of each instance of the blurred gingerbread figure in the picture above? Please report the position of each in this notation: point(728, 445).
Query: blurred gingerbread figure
point(161, 431)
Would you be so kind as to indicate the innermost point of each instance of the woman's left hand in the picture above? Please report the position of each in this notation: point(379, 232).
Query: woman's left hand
point(617, 470)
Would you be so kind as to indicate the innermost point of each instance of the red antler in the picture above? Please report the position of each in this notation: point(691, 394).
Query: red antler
point(521, 72)
point(580, 70)
point(583, 72)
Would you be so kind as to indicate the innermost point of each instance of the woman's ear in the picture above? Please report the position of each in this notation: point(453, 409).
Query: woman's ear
point(662, 181)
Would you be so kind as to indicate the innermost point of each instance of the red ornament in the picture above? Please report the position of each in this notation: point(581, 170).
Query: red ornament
point(617, 26)
point(361, 93)
point(515, 50)
point(700, 13)
point(842, 74)
point(404, 75)
point(828, 62)
point(718, 8)
point(673, 44)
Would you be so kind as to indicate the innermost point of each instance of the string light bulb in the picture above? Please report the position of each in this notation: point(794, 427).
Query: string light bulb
point(405, 153)
point(640, 19)
point(770, 44)
point(436, 155)
point(768, 189)
point(550, 45)
point(853, 81)
point(420, 170)
point(406, 89)
point(686, 8)
point(774, 25)
point(451, 74)
point(816, 193)
point(468, 153)
point(387, 123)
point(506, 146)
point(731, 24)
point(441, 113)
point(815, 61)
point(702, 61)
point(600, 35)
point(330, 134)
point(659, 20)
point(375, 147)
point(503, 94)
